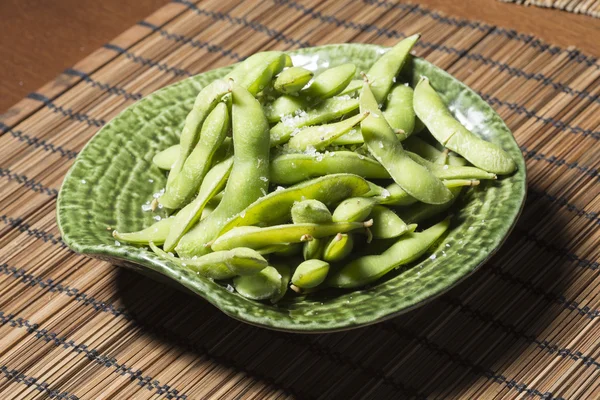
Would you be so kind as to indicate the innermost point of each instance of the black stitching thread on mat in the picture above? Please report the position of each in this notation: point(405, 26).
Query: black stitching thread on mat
point(563, 202)
point(24, 227)
point(557, 123)
point(118, 91)
point(28, 183)
point(535, 155)
point(466, 363)
point(530, 40)
point(147, 61)
point(67, 112)
point(275, 34)
point(36, 142)
point(93, 355)
point(40, 386)
point(213, 48)
point(539, 77)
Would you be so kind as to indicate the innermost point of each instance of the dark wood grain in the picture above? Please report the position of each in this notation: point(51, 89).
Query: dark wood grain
point(41, 38)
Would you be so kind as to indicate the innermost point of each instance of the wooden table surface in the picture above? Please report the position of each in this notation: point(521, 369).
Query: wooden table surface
point(42, 38)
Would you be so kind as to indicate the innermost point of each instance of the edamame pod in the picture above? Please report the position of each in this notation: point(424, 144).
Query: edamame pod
point(255, 237)
point(249, 176)
point(214, 182)
point(313, 249)
point(384, 71)
point(166, 158)
point(386, 224)
point(276, 206)
point(310, 211)
point(282, 106)
point(320, 136)
point(291, 80)
point(398, 197)
point(368, 269)
point(338, 247)
point(184, 187)
point(244, 261)
point(451, 171)
point(257, 71)
point(211, 265)
point(353, 88)
point(354, 209)
point(206, 100)
point(353, 136)
point(330, 82)
point(383, 144)
point(326, 111)
point(286, 276)
point(420, 211)
point(292, 168)
point(264, 285)
point(156, 233)
point(399, 112)
point(310, 274)
point(430, 108)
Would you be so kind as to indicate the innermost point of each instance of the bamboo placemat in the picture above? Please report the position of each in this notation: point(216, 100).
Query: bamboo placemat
point(588, 7)
point(526, 325)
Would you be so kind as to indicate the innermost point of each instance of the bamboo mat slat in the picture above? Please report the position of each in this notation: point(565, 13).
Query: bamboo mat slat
point(587, 7)
point(527, 325)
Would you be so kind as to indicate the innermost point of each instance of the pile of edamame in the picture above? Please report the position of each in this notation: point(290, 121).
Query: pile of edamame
point(283, 179)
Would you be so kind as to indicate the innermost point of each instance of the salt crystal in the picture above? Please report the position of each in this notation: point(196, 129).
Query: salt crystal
point(385, 193)
point(146, 207)
point(380, 144)
point(279, 188)
point(445, 167)
point(229, 288)
point(243, 214)
point(394, 79)
point(117, 243)
point(151, 180)
point(263, 191)
point(157, 217)
point(433, 256)
point(159, 193)
point(264, 179)
point(83, 181)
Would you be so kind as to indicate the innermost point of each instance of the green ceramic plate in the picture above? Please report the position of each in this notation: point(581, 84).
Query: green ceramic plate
point(114, 176)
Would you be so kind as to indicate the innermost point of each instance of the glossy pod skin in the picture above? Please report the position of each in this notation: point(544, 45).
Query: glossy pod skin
point(354, 209)
point(183, 221)
point(276, 207)
point(206, 100)
point(399, 197)
point(451, 171)
point(338, 247)
point(165, 159)
point(384, 71)
point(288, 169)
point(255, 237)
point(291, 80)
point(310, 211)
point(212, 265)
point(368, 269)
point(156, 233)
point(326, 111)
point(330, 82)
point(286, 275)
point(249, 176)
point(383, 144)
point(257, 71)
point(321, 136)
point(283, 106)
point(261, 286)
point(430, 108)
point(184, 187)
point(310, 274)
point(353, 88)
point(386, 224)
point(419, 212)
point(399, 112)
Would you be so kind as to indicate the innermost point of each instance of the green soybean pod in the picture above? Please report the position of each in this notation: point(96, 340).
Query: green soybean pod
point(255, 237)
point(166, 158)
point(407, 249)
point(214, 182)
point(282, 106)
point(386, 224)
point(353, 136)
point(419, 212)
point(310, 274)
point(451, 171)
point(264, 285)
point(249, 176)
point(257, 71)
point(291, 80)
point(206, 100)
point(276, 206)
point(320, 136)
point(326, 111)
point(338, 247)
point(244, 261)
point(286, 275)
point(354, 209)
point(399, 112)
point(211, 265)
point(330, 82)
point(184, 187)
point(398, 197)
point(156, 233)
point(287, 169)
point(310, 211)
point(384, 71)
point(383, 144)
point(313, 249)
point(422, 148)
point(353, 88)
point(432, 110)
